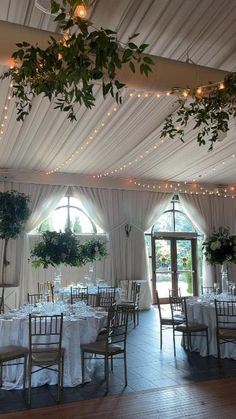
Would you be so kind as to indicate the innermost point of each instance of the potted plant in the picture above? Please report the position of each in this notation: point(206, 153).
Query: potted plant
point(14, 212)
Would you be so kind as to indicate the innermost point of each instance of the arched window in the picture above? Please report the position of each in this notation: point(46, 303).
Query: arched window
point(69, 214)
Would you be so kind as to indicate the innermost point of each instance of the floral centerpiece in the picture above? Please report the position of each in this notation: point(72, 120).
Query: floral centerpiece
point(220, 248)
point(64, 248)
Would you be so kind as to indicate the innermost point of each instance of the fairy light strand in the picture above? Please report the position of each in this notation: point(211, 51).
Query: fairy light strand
point(186, 188)
point(5, 113)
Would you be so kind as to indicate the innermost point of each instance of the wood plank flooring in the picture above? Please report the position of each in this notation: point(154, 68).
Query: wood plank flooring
point(205, 400)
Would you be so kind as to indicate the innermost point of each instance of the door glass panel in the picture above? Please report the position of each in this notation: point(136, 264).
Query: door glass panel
point(184, 267)
point(163, 267)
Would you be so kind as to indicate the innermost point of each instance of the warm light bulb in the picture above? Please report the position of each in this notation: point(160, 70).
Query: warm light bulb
point(199, 91)
point(80, 11)
point(221, 86)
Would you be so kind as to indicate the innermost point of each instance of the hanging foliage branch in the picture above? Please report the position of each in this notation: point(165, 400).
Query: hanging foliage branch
point(65, 71)
point(210, 109)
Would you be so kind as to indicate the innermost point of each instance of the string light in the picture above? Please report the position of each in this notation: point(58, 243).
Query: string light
point(133, 94)
point(91, 137)
point(188, 188)
point(4, 118)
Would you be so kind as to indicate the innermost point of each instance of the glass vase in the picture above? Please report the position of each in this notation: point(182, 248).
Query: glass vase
point(57, 283)
point(224, 277)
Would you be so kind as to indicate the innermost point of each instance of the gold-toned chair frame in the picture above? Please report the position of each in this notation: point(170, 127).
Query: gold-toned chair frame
point(113, 344)
point(40, 349)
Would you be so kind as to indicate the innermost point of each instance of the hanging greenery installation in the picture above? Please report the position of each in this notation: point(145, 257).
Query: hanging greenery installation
point(210, 108)
point(67, 70)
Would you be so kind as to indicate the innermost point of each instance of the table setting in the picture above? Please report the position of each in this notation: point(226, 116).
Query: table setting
point(81, 324)
point(202, 310)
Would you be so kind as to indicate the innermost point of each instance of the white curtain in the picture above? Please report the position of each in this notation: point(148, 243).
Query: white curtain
point(112, 210)
point(43, 200)
point(209, 212)
point(105, 207)
point(142, 209)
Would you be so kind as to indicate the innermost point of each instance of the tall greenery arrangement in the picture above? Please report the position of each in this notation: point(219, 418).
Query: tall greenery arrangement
point(66, 70)
point(14, 212)
point(64, 248)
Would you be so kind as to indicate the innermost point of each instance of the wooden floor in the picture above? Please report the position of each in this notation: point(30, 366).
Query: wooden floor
point(211, 399)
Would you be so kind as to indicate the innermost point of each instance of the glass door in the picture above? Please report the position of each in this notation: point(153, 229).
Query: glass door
point(174, 266)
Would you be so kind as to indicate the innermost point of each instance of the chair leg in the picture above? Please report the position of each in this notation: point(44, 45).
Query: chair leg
point(111, 363)
point(134, 317)
point(160, 336)
point(207, 343)
point(25, 371)
point(174, 341)
point(1, 375)
point(59, 382)
point(125, 369)
point(82, 365)
point(107, 372)
point(218, 347)
point(62, 372)
point(188, 342)
point(138, 316)
point(29, 383)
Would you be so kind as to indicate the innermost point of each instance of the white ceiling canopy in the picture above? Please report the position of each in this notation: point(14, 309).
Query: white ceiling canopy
point(112, 141)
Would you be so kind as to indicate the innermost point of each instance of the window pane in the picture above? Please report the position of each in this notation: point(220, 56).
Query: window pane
point(182, 223)
point(80, 223)
point(165, 222)
point(63, 201)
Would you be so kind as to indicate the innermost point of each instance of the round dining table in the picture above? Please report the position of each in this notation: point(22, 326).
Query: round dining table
point(202, 310)
point(79, 327)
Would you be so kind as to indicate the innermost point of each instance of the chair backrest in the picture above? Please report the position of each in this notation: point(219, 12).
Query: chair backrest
point(106, 296)
point(231, 289)
point(46, 288)
point(45, 332)
point(117, 325)
point(1, 305)
point(209, 290)
point(178, 307)
point(37, 298)
point(135, 292)
point(225, 314)
point(78, 294)
point(174, 292)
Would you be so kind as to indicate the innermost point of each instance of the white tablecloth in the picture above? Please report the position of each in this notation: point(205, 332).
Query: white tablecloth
point(203, 311)
point(76, 331)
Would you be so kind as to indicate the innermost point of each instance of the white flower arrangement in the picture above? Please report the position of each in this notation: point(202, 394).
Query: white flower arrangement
point(220, 247)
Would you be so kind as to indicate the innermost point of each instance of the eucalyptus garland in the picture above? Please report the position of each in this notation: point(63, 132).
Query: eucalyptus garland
point(210, 109)
point(66, 70)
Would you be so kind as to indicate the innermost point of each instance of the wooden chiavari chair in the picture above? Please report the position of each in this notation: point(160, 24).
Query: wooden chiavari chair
point(45, 348)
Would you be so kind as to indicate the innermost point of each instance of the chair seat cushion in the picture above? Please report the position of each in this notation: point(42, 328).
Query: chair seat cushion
point(46, 356)
point(8, 353)
point(227, 333)
point(192, 327)
point(99, 347)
